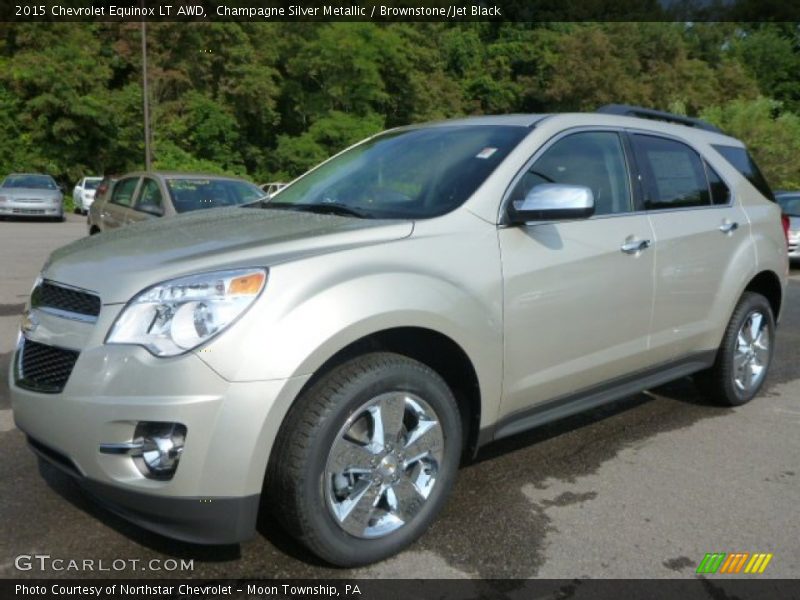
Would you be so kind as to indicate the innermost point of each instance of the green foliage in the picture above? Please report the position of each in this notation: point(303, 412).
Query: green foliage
point(270, 100)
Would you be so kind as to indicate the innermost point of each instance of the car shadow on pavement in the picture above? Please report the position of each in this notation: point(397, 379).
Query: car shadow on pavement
point(681, 390)
point(68, 489)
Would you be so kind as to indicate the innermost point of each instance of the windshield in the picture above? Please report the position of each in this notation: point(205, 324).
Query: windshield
point(42, 182)
point(416, 173)
point(91, 184)
point(195, 194)
point(790, 205)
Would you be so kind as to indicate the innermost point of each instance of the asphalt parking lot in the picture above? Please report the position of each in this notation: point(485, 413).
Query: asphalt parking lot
point(642, 488)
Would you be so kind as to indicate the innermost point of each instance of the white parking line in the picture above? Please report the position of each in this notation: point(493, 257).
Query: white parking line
point(6, 420)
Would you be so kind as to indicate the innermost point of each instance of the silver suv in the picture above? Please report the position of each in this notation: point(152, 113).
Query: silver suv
point(332, 354)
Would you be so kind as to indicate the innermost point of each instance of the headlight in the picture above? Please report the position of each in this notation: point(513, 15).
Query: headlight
point(178, 315)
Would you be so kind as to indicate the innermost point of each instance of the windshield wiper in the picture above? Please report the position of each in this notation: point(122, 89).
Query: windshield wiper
point(326, 208)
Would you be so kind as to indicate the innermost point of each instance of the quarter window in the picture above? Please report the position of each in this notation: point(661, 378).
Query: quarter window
point(674, 175)
point(594, 159)
point(123, 191)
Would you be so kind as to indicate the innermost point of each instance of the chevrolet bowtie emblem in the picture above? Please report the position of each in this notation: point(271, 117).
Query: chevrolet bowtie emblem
point(29, 322)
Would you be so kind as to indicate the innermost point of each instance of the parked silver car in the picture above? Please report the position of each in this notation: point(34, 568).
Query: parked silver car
point(270, 189)
point(83, 193)
point(137, 197)
point(31, 195)
point(790, 204)
point(425, 292)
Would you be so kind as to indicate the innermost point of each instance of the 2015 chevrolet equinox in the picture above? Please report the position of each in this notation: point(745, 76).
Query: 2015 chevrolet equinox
point(426, 291)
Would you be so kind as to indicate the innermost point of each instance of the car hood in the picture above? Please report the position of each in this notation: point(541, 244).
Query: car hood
point(119, 264)
point(29, 193)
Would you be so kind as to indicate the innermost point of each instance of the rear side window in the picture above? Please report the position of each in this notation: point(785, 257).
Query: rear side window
point(123, 191)
point(674, 175)
point(741, 160)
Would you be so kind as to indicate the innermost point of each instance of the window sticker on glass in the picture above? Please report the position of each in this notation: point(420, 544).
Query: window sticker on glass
point(486, 153)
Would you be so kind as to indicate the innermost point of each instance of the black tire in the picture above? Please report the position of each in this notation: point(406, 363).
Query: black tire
point(296, 473)
point(718, 382)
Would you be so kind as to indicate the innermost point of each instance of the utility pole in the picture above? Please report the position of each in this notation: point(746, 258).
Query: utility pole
point(146, 98)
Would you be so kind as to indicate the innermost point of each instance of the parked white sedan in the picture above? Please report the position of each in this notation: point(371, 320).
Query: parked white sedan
point(83, 193)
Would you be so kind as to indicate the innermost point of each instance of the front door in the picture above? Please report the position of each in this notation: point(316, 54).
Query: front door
point(577, 294)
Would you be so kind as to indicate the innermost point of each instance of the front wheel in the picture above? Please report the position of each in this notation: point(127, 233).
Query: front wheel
point(366, 458)
point(745, 354)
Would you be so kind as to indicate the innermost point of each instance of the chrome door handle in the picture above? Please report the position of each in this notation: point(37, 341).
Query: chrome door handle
point(729, 227)
point(635, 246)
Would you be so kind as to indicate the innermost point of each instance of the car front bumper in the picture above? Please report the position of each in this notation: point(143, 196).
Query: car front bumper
point(214, 494)
point(11, 208)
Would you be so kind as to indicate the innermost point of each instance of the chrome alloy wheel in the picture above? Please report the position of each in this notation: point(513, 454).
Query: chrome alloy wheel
point(383, 464)
point(751, 354)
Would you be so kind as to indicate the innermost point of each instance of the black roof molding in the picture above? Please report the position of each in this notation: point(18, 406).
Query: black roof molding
point(626, 110)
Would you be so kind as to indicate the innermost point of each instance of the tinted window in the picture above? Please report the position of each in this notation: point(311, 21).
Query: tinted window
point(194, 194)
point(91, 184)
point(592, 159)
point(149, 197)
point(673, 174)
point(123, 191)
point(741, 160)
point(415, 173)
point(720, 193)
point(42, 182)
point(790, 205)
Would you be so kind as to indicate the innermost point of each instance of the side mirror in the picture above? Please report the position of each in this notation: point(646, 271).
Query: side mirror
point(553, 201)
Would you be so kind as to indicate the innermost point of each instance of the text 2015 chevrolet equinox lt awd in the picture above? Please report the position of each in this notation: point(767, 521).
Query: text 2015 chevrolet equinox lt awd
point(337, 350)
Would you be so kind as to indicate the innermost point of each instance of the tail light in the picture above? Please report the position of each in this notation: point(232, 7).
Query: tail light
point(786, 222)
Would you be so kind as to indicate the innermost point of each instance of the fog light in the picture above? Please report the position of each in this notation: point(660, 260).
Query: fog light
point(156, 448)
point(162, 446)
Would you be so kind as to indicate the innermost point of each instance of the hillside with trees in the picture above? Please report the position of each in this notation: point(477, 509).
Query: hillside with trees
point(269, 100)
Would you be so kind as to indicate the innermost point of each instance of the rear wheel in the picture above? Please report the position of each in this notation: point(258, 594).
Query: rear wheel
point(366, 458)
point(744, 357)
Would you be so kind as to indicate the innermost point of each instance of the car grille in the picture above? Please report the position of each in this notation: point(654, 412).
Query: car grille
point(44, 368)
point(27, 211)
point(67, 299)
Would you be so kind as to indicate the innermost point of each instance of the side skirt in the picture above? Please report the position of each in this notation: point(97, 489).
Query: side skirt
point(587, 399)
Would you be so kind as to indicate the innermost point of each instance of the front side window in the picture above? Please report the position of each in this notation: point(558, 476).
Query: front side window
point(594, 159)
point(411, 174)
point(673, 173)
point(190, 194)
point(123, 191)
point(150, 197)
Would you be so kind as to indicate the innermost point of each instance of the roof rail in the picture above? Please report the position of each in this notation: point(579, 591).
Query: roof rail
point(627, 110)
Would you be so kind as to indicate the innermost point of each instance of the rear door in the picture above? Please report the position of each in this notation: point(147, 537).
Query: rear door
point(698, 230)
point(577, 294)
point(117, 211)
